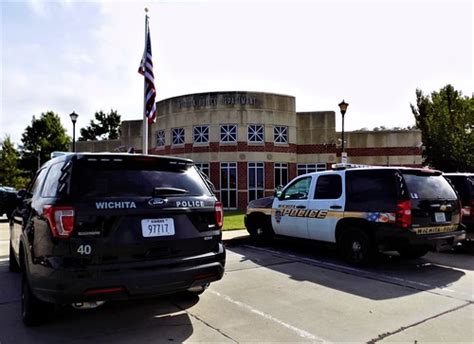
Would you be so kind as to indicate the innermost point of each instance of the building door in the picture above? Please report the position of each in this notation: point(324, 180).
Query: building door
point(229, 185)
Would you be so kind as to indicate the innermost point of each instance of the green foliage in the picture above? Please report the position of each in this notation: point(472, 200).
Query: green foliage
point(104, 127)
point(446, 120)
point(10, 173)
point(45, 135)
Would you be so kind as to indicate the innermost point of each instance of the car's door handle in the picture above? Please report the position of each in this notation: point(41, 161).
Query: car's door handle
point(335, 207)
point(300, 207)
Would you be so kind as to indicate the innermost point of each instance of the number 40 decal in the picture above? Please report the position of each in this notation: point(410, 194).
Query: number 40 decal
point(84, 249)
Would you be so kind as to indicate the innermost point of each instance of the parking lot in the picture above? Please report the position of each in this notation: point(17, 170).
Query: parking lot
point(288, 291)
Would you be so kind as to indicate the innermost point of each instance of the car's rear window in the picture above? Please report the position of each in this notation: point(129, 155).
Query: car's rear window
point(371, 190)
point(428, 186)
point(116, 179)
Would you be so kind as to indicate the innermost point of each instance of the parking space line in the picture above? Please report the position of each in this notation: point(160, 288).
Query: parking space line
point(299, 332)
point(364, 273)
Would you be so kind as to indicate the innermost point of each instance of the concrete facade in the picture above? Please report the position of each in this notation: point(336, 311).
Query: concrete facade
point(249, 142)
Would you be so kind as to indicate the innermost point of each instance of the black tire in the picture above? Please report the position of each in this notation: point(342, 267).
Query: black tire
point(356, 247)
point(260, 229)
point(412, 253)
point(33, 311)
point(12, 262)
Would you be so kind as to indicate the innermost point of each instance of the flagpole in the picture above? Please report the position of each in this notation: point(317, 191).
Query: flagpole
point(145, 118)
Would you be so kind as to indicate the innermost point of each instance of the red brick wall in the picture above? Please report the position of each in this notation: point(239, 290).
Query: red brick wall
point(242, 200)
point(215, 175)
point(291, 171)
point(269, 175)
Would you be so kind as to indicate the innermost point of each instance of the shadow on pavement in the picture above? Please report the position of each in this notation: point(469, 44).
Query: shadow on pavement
point(310, 262)
point(148, 320)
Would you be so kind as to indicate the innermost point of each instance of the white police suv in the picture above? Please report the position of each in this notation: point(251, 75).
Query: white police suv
point(364, 210)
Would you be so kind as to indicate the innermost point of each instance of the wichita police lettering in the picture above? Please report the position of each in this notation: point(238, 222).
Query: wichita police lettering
point(115, 205)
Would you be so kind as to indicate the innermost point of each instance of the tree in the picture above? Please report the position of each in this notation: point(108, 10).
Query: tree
point(43, 136)
point(104, 127)
point(10, 173)
point(446, 121)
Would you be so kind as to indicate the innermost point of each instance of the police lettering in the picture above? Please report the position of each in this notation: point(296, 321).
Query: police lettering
point(188, 204)
point(318, 214)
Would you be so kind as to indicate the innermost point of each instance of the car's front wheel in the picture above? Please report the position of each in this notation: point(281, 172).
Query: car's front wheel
point(260, 230)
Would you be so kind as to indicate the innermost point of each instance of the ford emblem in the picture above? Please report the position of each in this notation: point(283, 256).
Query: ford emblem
point(157, 201)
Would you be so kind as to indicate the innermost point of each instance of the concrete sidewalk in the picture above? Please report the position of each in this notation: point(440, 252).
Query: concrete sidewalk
point(234, 234)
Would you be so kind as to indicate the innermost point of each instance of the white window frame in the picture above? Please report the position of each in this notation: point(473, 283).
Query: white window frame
point(201, 134)
point(160, 139)
point(280, 134)
point(228, 132)
point(227, 166)
point(204, 167)
point(278, 168)
point(180, 134)
point(308, 168)
point(255, 166)
point(256, 131)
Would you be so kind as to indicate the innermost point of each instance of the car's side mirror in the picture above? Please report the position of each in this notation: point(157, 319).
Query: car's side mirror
point(22, 194)
point(278, 191)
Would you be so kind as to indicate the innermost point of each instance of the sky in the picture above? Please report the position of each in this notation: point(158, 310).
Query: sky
point(83, 56)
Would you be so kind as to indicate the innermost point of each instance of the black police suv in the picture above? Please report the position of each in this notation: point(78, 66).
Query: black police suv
point(7, 200)
point(96, 227)
point(464, 185)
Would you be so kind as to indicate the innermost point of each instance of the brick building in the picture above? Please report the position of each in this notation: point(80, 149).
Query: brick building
point(250, 142)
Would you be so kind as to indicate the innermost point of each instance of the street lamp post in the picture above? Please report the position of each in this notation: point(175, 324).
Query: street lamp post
point(73, 116)
point(343, 106)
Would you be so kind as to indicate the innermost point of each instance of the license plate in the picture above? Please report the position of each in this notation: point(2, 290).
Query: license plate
point(440, 217)
point(157, 227)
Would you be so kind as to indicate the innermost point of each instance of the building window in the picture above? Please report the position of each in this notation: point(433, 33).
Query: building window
point(280, 134)
point(229, 184)
point(228, 133)
point(256, 185)
point(308, 168)
point(281, 174)
point(160, 138)
point(204, 167)
point(201, 134)
point(177, 136)
point(255, 133)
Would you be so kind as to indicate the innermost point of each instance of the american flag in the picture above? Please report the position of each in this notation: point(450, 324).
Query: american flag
point(146, 69)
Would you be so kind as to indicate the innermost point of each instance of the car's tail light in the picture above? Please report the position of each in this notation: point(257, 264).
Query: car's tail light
point(403, 214)
point(61, 220)
point(219, 212)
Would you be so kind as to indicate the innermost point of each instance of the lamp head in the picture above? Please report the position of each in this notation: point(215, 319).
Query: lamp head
point(343, 106)
point(73, 116)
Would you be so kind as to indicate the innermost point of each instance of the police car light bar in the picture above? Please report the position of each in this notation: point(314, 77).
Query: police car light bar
point(341, 166)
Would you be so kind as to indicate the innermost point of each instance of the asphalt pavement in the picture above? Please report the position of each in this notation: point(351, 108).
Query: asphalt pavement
point(284, 292)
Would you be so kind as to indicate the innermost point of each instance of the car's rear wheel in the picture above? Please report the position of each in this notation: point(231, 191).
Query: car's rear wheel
point(356, 247)
point(12, 262)
point(412, 253)
point(33, 310)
